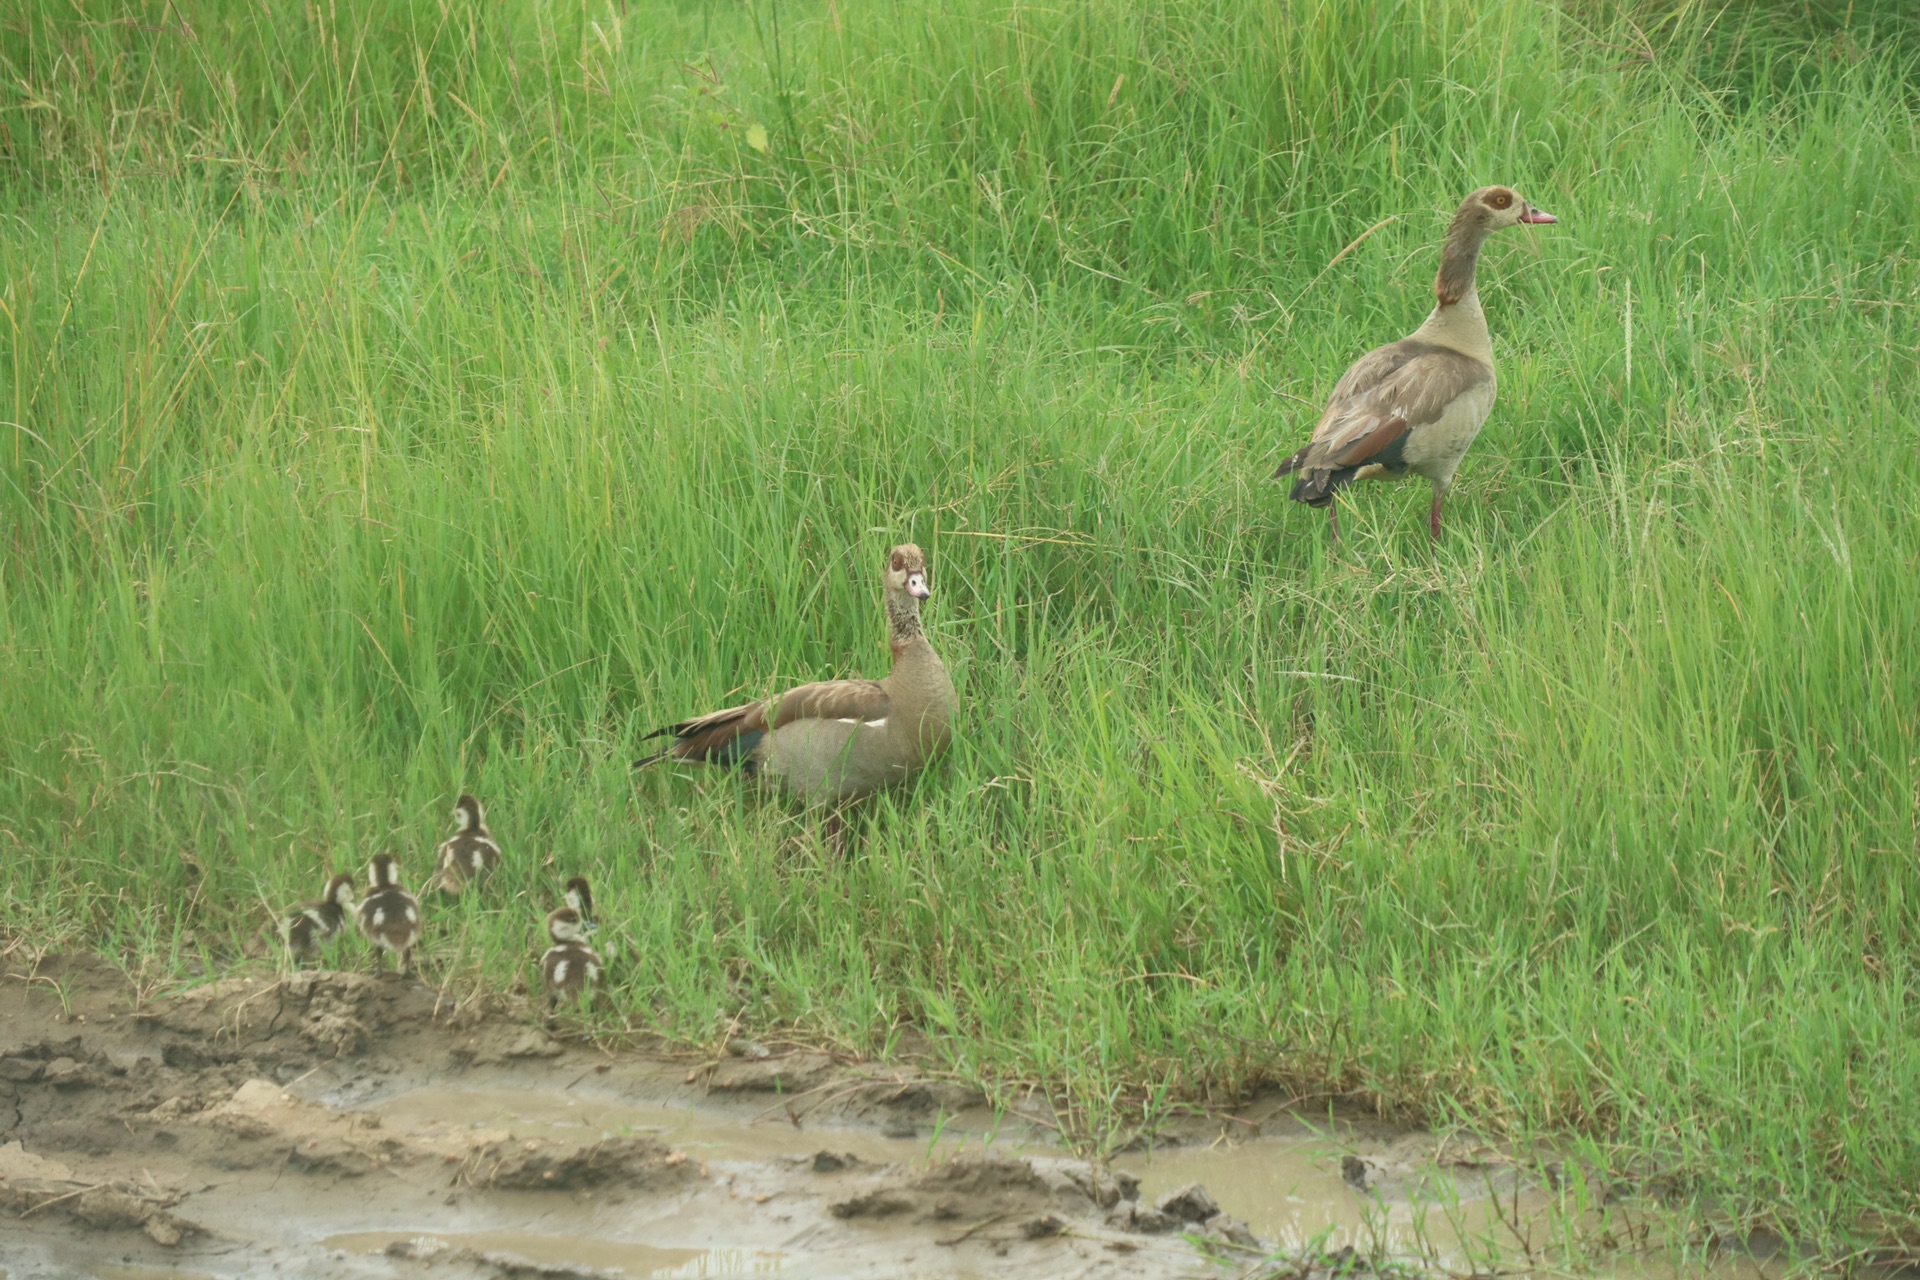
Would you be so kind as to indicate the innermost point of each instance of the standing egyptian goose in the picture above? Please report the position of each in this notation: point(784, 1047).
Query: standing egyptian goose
point(1416, 404)
point(389, 916)
point(470, 854)
point(308, 930)
point(569, 968)
point(840, 739)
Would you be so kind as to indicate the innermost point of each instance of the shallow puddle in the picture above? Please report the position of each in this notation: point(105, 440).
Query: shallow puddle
point(534, 1249)
point(1287, 1190)
point(1292, 1191)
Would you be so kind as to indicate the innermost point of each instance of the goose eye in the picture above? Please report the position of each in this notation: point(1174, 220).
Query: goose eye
point(1500, 200)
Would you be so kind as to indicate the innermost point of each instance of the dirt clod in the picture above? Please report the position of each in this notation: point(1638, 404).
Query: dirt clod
point(831, 1162)
point(1190, 1203)
point(629, 1162)
point(1231, 1230)
point(881, 1203)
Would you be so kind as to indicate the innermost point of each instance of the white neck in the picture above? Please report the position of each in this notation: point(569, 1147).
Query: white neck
point(1460, 327)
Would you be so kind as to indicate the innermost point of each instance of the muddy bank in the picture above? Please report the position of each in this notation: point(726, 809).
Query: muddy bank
point(342, 1125)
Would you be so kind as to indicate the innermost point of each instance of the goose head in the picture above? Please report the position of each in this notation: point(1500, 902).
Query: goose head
point(1493, 209)
point(565, 925)
point(383, 872)
point(580, 899)
point(907, 572)
point(467, 814)
point(340, 892)
point(1486, 211)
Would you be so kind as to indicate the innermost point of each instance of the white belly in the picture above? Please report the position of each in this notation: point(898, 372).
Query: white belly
point(1434, 449)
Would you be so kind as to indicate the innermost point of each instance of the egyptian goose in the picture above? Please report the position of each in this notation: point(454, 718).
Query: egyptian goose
point(1416, 404)
point(840, 739)
point(389, 916)
point(569, 968)
point(308, 930)
point(470, 854)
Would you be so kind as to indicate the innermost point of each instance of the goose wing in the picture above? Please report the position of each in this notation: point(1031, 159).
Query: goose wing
point(730, 736)
point(1389, 392)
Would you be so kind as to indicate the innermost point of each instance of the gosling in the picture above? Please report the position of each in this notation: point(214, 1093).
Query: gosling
point(390, 916)
point(471, 853)
point(308, 931)
point(569, 968)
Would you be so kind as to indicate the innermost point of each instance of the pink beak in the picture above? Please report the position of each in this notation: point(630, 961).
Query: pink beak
point(1537, 215)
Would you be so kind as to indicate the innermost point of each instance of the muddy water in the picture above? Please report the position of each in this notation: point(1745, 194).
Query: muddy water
point(1291, 1190)
point(534, 1248)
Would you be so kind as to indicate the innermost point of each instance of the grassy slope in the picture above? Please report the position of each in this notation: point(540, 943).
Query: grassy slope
point(417, 399)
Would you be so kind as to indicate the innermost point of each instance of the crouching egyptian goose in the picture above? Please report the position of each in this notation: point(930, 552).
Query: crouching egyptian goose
point(569, 968)
point(1416, 404)
point(389, 916)
point(308, 930)
point(470, 853)
point(840, 739)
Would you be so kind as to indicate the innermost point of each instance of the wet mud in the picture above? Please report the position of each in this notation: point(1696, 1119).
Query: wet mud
point(344, 1125)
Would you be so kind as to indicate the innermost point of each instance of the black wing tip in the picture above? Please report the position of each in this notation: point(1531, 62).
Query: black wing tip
point(671, 731)
point(736, 751)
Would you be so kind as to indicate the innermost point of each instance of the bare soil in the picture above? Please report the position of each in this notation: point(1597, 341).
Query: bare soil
point(342, 1125)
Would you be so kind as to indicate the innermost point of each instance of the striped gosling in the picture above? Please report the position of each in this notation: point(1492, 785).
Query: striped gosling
point(569, 968)
point(308, 931)
point(389, 916)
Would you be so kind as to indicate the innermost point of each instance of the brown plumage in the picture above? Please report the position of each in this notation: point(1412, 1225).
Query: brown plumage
point(470, 854)
point(307, 931)
point(1416, 405)
point(569, 968)
point(389, 916)
point(840, 739)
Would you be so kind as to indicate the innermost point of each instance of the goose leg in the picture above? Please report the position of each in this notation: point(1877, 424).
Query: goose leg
point(1333, 519)
point(1433, 517)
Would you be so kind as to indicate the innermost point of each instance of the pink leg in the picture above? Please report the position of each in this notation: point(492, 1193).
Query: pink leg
point(1333, 519)
point(1433, 520)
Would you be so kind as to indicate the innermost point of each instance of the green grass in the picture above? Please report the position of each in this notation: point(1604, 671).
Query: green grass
point(404, 398)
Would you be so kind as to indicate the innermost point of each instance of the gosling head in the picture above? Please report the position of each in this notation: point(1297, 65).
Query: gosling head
point(565, 925)
point(580, 898)
point(468, 815)
point(339, 892)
